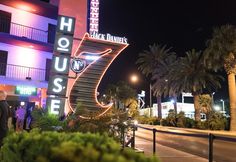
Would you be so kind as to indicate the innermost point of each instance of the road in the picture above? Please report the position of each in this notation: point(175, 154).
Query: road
point(223, 151)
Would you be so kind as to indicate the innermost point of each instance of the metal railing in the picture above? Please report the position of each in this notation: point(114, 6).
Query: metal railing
point(29, 32)
point(209, 136)
point(24, 31)
point(22, 72)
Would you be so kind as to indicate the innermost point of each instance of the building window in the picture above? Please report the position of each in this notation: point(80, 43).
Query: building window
point(51, 33)
point(3, 62)
point(48, 67)
point(5, 21)
point(45, 0)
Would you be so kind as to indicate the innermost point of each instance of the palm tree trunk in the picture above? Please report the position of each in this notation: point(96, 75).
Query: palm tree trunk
point(232, 101)
point(175, 105)
point(159, 108)
point(197, 108)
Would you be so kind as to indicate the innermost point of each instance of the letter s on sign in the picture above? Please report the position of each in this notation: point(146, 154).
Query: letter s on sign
point(57, 82)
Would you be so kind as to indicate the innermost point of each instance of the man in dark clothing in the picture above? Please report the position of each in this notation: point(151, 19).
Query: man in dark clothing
point(4, 114)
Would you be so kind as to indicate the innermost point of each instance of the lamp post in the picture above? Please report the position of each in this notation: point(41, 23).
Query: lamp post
point(223, 105)
point(150, 90)
point(212, 96)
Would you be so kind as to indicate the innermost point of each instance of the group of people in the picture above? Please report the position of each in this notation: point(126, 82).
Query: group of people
point(18, 118)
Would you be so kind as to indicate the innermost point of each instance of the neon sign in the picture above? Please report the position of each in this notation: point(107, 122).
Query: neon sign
point(99, 54)
point(109, 37)
point(28, 91)
point(57, 86)
point(94, 16)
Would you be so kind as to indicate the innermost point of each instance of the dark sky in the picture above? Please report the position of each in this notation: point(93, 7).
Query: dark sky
point(180, 24)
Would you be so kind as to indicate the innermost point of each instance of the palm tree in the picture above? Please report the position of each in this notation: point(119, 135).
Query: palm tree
point(148, 61)
point(221, 52)
point(118, 93)
point(205, 102)
point(189, 74)
point(161, 84)
point(111, 94)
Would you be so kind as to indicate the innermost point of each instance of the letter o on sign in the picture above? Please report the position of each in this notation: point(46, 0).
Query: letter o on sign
point(77, 65)
point(63, 43)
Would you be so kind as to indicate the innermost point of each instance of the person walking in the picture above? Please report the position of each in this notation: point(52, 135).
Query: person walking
point(28, 118)
point(4, 114)
point(20, 118)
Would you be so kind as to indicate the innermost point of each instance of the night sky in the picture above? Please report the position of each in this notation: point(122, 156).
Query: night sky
point(180, 24)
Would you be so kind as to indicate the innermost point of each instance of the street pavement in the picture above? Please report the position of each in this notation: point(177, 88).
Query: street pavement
point(184, 148)
point(166, 154)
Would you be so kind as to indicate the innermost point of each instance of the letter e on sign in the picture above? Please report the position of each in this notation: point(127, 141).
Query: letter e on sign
point(56, 105)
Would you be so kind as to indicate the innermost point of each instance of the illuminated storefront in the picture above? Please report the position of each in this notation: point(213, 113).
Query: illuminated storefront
point(36, 70)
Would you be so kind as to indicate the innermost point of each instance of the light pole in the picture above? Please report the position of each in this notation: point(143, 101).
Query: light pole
point(150, 90)
point(212, 96)
point(223, 105)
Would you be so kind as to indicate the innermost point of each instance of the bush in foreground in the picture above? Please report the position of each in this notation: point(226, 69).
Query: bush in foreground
point(39, 146)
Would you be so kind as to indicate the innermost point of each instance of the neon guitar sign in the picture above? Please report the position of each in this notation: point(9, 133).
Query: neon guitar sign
point(92, 58)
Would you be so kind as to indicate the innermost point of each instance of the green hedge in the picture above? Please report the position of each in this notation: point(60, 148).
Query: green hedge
point(39, 146)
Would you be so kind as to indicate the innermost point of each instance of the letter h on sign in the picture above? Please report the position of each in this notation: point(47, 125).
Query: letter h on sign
point(64, 36)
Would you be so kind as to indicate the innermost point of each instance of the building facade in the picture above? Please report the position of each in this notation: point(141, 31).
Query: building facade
point(187, 108)
point(27, 52)
point(27, 33)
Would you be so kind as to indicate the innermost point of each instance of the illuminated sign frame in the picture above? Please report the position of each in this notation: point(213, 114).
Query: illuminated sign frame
point(94, 16)
point(57, 86)
point(26, 91)
point(82, 84)
point(93, 56)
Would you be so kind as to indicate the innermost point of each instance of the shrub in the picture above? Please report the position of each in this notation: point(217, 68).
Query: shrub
point(190, 123)
point(181, 120)
point(184, 122)
point(148, 120)
point(39, 146)
point(164, 122)
point(45, 121)
point(171, 118)
point(216, 121)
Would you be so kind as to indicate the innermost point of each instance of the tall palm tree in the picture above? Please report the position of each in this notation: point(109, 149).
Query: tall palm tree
point(189, 74)
point(221, 53)
point(148, 61)
point(160, 76)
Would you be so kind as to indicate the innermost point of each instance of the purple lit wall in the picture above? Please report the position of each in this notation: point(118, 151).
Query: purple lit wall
point(25, 57)
point(28, 19)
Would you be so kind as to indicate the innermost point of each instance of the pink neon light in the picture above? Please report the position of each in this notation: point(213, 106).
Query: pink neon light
point(107, 107)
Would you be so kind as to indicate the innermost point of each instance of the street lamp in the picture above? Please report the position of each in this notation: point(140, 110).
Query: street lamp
point(223, 105)
point(217, 108)
point(212, 96)
point(134, 78)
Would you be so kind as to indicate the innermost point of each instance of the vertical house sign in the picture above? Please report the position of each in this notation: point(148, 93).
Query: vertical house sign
point(57, 85)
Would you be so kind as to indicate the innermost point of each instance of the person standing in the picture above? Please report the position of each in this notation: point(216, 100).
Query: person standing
point(4, 114)
point(20, 118)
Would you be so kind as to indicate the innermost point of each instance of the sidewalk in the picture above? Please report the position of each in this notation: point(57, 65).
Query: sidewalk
point(167, 154)
point(174, 129)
